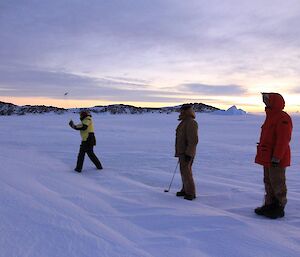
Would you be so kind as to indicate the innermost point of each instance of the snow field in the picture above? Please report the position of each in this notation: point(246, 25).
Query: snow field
point(48, 210)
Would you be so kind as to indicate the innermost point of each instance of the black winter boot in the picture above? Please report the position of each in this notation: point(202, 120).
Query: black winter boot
point(189, 197)
point(261, 210)
point(180, 193)
point(274, 213)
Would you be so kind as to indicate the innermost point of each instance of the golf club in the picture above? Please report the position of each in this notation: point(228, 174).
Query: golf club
point(167, 190)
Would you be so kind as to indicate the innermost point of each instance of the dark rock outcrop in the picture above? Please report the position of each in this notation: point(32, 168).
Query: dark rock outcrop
point(12, 109)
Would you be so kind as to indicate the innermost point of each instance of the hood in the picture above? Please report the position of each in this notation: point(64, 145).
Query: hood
point(84, 117)
point(189, 113)
point(276, 102)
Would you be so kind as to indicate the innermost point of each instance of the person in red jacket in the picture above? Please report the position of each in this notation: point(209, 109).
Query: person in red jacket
point(274, 154)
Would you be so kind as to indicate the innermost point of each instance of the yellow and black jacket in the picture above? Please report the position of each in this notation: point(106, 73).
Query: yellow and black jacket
point(86, 130)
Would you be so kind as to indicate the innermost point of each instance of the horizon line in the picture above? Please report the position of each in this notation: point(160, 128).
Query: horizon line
point(149, 107)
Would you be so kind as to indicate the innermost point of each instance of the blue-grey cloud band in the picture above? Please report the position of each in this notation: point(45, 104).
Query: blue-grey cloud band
point(33, 83)
point(145, 40)
point(216, 90)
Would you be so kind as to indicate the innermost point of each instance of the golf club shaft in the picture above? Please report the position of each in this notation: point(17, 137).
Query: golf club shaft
point(172, 177)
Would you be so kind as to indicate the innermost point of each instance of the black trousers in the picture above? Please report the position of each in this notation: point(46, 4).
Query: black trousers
point(87, 147)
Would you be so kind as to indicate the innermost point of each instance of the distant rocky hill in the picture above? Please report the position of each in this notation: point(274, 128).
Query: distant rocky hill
point(11, 109)
point(129, 109)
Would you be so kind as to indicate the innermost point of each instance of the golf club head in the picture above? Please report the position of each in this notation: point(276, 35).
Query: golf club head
point(166, 190)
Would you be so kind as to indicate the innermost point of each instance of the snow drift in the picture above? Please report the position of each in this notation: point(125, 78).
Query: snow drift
point(49, 210)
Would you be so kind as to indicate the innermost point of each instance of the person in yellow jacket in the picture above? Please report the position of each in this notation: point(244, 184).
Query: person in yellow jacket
point(88, 142)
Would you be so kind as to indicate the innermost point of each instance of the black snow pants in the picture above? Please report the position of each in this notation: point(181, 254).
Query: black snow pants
point(87, 147)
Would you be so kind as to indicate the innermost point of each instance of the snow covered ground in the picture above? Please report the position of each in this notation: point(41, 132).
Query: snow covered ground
point(48, 210)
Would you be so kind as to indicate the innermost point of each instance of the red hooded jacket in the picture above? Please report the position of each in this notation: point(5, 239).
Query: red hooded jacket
point(275, 135)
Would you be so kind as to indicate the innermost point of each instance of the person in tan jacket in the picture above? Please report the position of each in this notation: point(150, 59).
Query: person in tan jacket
point(185, 149)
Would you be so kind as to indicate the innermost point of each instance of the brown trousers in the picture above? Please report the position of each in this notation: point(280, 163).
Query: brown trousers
point(188, 185)
point(275, 186)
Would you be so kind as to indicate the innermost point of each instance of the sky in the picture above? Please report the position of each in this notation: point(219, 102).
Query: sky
point(150, 52)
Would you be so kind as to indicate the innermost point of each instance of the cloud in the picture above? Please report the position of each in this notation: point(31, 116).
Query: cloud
point(131, 45)
point(37, 83)
point(126, 80)
point(53, 84)
point(295, 90)
point(215, 90)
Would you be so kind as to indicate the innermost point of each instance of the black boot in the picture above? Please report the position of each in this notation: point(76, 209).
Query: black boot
point(78, 170)
point(261, 210)
point(274, 213)
point(180, 193)
point(189, 197)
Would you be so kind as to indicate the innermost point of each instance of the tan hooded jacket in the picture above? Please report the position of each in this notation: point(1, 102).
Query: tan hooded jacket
point(186, 134)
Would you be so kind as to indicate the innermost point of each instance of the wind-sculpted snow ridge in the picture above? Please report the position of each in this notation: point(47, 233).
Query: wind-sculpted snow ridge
point(49, 210)
point(7, 109)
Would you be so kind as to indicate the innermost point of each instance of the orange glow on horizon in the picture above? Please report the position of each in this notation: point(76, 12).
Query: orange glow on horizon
point(71, 103)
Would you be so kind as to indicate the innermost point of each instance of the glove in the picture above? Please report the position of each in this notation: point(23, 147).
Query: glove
point(275, 162)
point(71, 124)
point(187, 158)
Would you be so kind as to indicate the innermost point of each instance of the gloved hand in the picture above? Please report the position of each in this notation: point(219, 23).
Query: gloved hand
point(71, 124)
point(275, 162)
point(187, 158)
